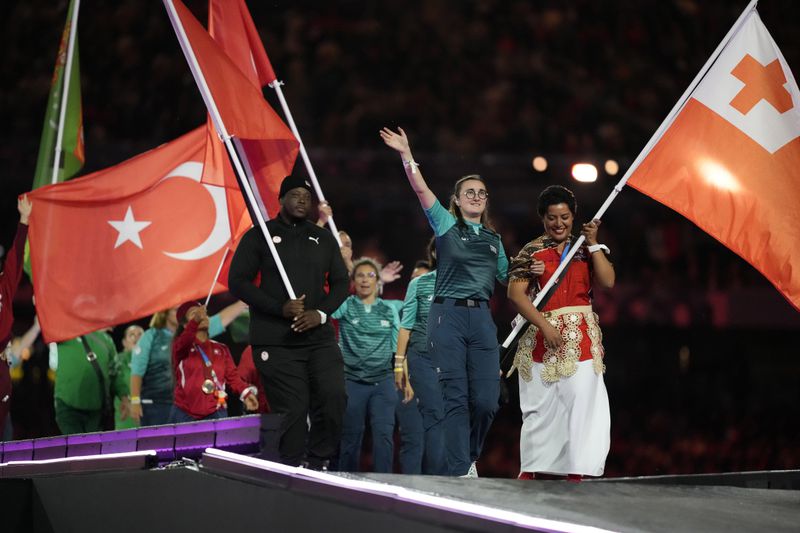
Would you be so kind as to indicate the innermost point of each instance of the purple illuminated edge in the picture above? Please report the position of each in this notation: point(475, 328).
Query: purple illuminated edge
point(142, 453)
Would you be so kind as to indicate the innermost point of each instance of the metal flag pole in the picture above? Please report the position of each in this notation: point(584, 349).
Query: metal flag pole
point(519, 321)
point(314, 181)
point(235, 157)
point(216, 276)
point(65, 77)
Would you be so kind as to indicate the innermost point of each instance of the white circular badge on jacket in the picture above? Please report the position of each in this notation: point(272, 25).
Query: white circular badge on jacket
point(264, 355)
point(276, 239)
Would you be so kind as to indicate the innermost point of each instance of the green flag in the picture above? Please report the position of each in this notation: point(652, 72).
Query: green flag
point(71, 158)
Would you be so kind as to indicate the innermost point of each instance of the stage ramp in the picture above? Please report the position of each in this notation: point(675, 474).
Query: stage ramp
point(227, 491)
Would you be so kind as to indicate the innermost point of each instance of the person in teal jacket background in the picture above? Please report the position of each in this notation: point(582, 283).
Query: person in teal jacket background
point(368, 329)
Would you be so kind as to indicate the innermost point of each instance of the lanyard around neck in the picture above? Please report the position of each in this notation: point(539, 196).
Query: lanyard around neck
point(207, 362)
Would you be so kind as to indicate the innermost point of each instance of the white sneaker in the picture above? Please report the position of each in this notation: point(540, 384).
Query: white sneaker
point(472, 472)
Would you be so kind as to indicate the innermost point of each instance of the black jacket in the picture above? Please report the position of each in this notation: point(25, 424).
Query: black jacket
point(311, 257)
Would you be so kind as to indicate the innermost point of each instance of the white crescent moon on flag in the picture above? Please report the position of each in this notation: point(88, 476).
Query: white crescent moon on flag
point(221, 232)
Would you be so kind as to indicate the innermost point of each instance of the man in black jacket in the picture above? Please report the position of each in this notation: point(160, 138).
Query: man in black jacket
point(294, 345)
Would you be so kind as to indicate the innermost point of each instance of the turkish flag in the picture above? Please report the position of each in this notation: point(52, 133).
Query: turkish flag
point(270, 146)
point(130, 240)
point(730, 160)
point(232, 27)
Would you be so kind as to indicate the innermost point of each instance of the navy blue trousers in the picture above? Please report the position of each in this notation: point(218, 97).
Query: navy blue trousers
point(428, 393)
point(412, 433)
point(378, 401)
point(463, 343)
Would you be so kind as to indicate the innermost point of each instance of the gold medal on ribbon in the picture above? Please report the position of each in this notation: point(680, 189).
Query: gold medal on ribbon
point(208, 386)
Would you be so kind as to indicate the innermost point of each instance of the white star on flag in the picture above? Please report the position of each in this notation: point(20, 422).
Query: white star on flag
point(129, 229)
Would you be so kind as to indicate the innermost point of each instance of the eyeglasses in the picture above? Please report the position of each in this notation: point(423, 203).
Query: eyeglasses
point(471, 193)
point(365, 275)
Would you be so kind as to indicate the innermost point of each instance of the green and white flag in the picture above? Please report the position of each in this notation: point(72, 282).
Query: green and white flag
point(71, 155)
point(66, 122)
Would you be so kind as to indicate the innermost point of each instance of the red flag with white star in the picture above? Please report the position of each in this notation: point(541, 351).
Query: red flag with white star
point(730, 161)
point(130, 240)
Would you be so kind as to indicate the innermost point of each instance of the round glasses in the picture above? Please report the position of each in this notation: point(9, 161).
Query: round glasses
point(472, 193)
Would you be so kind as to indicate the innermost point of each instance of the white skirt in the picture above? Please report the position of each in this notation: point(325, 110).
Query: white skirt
point(566, 425)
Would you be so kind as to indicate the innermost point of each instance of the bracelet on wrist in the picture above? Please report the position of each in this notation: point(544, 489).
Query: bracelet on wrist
point(398, 370)
point(597, 247)
point(413, 165)
point(136, 400)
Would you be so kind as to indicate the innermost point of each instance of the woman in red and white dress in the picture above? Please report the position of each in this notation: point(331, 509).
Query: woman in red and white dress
point(566, 424)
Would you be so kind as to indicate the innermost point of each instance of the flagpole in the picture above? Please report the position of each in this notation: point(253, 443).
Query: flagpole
point(65, 78)
point(216, 276)
point(235, 157)
point(276, 84)
point(519, 321)
point(251, 179)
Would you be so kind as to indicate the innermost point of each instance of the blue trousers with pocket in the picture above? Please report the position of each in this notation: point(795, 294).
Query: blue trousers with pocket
point(412, 433)
point(428, 393)
point(463, 342)
point(378, 401)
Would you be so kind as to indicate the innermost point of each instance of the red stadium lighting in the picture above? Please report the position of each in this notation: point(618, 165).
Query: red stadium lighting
point(584, 172)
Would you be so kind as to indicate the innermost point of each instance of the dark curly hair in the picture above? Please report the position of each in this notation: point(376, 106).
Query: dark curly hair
point(556, 194)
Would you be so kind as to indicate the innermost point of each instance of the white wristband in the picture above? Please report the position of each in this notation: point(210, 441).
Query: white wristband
point(597, 247)
point(323, 317)
point(247, 392)
point(410, 164)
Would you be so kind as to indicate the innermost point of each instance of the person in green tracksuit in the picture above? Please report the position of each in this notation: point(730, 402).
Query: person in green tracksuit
point(132, 335)
point(79, 396)
point(461, 334)
point(368, 329)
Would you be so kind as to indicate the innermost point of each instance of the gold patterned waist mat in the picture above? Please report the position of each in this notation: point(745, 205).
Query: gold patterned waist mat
point(585, 309)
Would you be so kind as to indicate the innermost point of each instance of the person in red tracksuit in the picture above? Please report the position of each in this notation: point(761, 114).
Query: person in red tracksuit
point(9, 279)
point(247, 369)
point(202, 368)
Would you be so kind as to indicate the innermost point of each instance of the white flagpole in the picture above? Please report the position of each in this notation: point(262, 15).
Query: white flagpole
point(216, 276)
point(519, 321)
point(315, 182)
point(236, 158)
point(65, 78)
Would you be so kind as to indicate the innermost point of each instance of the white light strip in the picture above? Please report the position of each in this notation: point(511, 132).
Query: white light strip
point(404, 494)
point(143, 453)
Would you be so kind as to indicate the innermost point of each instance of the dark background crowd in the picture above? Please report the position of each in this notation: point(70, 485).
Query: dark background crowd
point(702, 356)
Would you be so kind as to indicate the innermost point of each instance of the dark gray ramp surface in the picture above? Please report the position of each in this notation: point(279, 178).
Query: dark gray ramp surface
point(627, 506)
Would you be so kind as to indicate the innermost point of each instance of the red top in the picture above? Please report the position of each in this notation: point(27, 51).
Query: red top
point(9, 279)
point(574, 290)
point(190, 372)
point(576, 284)
point(247, 369)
